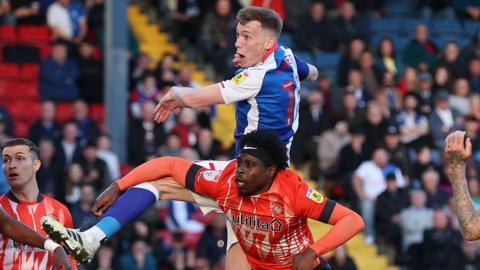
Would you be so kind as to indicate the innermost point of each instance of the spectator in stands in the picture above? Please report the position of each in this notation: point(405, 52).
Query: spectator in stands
point(187, 127)
point(474, 105)
point(375, 126)
point(180, 256)
point(423, 162)
point(5, 16)
point(387, 213)
point(139, 67)
point(82, 216)
point(315, 34)
point(420, 52)
point(349, 25)
point(425, 92)
point(68, 148)
point(368, 183)
point(414, 220)
point(67, 21)
point(94, 168)
point(329, 146)
point(50, 176)
point(105, 258)
point(471, 130)
point(6, 120)
point(207, 146)
point(443, 119)
point(216, 27)
point(211, 246)
point(440, 243)
point(275, 5)
point(165, 71)
point(90, 81)
point(351, 113)
point(87, 128)
point(138, 258)
point(46, 126)
point(331, 96)
point(472, 50)
point(353, 154)
point(349, 60)
point(145, 90)
point(95, 19)
point(437, 198)
point(105, 153)
point(371, 75)
point(75, 180)
point(459, 100)
point(58, 76)
point(412, 124)
point(341, 260)
point(450, 59)
point(172, 146)
point(442, 79)
point(474, 191)
point(387, 58)
point(474, 74)
point(144, 135)
point(184, 77)
point(186, 22)
point(469, 258)
point(26, 12)
point(397, 153)
point(408, 83)
point(313, 121)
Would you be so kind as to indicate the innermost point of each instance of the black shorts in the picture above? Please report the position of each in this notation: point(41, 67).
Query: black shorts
point(324, 265)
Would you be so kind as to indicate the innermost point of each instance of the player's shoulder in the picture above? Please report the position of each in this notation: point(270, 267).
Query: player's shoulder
point(290, 181)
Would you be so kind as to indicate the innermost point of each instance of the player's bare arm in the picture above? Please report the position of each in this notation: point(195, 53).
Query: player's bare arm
point(457, 150)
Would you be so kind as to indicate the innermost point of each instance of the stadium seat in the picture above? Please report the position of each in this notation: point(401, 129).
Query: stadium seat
point(450, 28)
point(33, 34)
point(9, 71)
point(409, 25)
point(305, 56)
point(323, 60)
point(386, 26)
point(96, 112)
point(7, 34)
point(471, 27)
point(400, 9)
point(15, 91)
point(23, 110)
point(20, 129)
point(64, 111)
point(286, 39)
point(45, 50)
point(30, 71)
point(190, 240)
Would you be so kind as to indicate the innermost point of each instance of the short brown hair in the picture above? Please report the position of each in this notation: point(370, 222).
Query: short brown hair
point(267, 17)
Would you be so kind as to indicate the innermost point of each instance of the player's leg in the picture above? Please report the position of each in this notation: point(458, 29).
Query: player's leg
point(130, 206)
point(236, 259)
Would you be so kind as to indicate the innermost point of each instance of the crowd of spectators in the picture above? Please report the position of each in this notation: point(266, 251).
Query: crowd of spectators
point(371, 135)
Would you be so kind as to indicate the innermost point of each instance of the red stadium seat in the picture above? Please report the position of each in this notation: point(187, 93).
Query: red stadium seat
point(45, 50)
point(9, 71)
point(19, 91)
point(166, 236)
point(20, 129)
point(64, 111)
point(29, 34)
point(27, 111)
point(96, 112)
point(30, 71)
point(7, 34)
point(190, 240)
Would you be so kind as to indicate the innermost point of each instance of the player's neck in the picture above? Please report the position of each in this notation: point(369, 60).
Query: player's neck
point(29, 193)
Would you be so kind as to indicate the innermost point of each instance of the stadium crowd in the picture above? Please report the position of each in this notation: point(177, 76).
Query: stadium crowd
point(396, 78)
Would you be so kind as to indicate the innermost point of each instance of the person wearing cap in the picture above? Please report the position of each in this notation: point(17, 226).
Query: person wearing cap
point(396, 151)
point(443, 120)
point(425, 92)
point(266, 203)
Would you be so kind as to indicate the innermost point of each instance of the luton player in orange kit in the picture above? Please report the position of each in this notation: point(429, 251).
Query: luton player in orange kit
point(267, 205)
point(26, 204)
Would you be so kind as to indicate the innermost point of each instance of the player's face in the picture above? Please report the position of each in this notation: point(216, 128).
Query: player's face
point(19, 166)
point(252, 176)
point(252, 43)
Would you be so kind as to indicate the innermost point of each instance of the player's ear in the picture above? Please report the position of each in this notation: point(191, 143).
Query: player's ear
point(36, 164)
point(272, 171)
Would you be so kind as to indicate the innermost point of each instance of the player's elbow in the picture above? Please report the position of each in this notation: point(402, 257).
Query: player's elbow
point(357, 222)
point(312, 73)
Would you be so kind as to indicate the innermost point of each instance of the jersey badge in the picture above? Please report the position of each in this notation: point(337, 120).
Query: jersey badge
point(240, 77)
point(210, 175)
point(314, 195)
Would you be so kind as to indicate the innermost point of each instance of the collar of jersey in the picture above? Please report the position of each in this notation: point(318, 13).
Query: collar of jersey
point(15, 199)
point(269, 52)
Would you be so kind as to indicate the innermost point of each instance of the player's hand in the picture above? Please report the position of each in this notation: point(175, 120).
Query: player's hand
point(305, 260)
point(106, 199)
point(458, 148)
point(165, 107)
point(60, 259)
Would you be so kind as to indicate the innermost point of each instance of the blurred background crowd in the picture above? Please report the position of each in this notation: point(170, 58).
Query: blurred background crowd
point(395, 78)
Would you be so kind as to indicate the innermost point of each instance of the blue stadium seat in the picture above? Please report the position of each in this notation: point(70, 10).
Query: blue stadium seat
point(450, 28)
point(409, 26)
point(400, 9)
point(398, 41)
point(286, 39)
point(386, 26)
point(327, 60)
point(471, 27)
point(305, 56)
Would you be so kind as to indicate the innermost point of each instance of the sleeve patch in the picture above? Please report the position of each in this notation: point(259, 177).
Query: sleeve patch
point(209, 175)
point(314, 195)
point(240, 77)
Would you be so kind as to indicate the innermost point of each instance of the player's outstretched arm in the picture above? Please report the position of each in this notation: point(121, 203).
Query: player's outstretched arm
point(458, 149)
point(23, 234)
point(187, 97)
